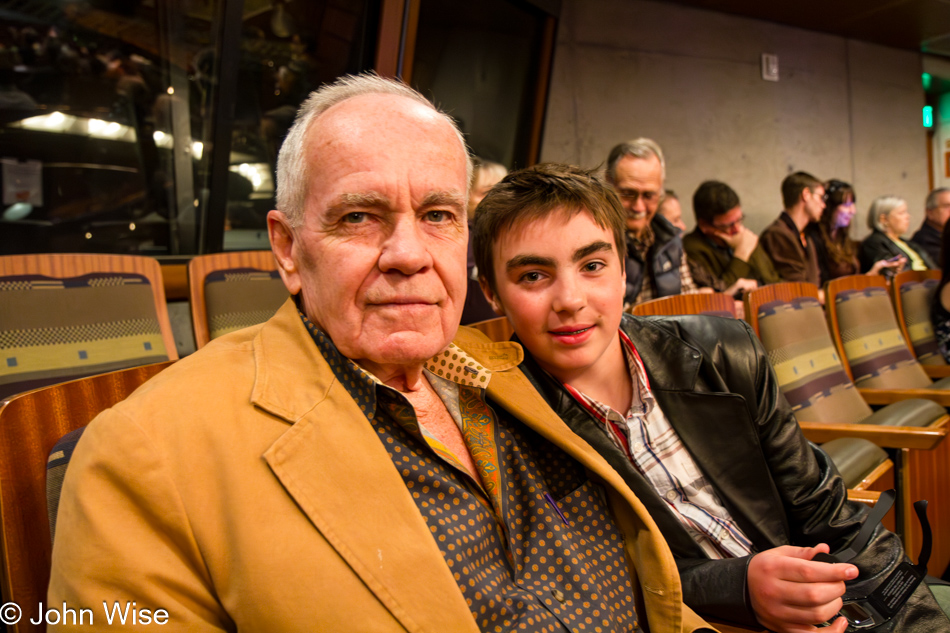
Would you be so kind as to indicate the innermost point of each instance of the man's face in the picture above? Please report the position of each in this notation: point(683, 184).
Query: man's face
point(639, 185)
point(672, 211)
point(814, 202)
point(725, 224)
point(379, 258)
point(559, 281)
point(938, 216)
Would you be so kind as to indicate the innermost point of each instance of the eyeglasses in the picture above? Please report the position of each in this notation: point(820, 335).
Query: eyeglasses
point(632, 195)
point(726, 228)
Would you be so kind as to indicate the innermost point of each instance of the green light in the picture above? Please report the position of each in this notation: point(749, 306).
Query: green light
point(928, 116)
point(926, 79)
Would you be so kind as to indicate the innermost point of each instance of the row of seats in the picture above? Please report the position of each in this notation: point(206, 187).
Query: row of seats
point(226, 291)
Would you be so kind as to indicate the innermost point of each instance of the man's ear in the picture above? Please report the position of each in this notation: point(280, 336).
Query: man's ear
point(282, 238)
point(491, 296)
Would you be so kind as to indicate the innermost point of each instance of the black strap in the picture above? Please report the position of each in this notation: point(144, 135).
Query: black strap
point(874, 517)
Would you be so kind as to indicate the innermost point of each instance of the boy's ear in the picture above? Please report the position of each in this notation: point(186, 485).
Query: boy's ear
point(491, 296)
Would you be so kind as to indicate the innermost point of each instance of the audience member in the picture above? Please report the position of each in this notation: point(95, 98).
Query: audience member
point(889, 220)
point(940, 305)
point(936, 212)
point(670, 209)
point(656, 264)
point(486, 173)
point(345, 466)
point(837, 252)
point(792, 251)
point(745, 502)
point(722, 243)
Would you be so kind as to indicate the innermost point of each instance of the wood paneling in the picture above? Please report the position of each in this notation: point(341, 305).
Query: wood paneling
point(30, 425)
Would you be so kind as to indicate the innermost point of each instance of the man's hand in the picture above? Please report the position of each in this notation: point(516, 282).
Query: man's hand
point(742, 284)
point(742, 243)
point(791, 593)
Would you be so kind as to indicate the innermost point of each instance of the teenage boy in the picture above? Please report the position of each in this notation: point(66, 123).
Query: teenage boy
point(686, 409)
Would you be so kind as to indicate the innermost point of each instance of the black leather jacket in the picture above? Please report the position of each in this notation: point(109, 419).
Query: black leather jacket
point(663, 262)
point(712, 380)
point(878, 246)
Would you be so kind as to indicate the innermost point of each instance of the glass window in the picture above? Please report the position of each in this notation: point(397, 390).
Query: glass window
point(110, 109)
point(480, 62)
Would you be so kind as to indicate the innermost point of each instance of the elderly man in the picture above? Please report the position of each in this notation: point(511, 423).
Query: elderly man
point(345, 466)
point(936, 212)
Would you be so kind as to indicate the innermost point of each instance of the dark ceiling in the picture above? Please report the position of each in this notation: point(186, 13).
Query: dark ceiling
point(920, 25)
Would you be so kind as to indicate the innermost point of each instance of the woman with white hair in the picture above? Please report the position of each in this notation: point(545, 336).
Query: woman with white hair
point(889, 219)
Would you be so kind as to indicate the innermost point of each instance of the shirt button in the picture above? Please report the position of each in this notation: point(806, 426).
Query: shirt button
point(671, 495)
point(558, 595)
point(638, 448)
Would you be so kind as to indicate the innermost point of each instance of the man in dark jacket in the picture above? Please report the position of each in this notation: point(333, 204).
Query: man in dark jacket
point(656, 264)
point(687, 410)
point(936, 212)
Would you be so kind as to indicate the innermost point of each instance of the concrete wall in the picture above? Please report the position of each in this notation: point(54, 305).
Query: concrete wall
point(691, 80)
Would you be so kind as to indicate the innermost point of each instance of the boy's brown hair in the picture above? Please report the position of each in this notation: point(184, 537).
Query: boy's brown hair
point(534, 193)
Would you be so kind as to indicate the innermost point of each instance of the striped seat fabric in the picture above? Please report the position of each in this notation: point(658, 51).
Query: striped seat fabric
point(915, 298)
point(876, 350)
point(806, 362)
point(237, 298)
point(56, 329)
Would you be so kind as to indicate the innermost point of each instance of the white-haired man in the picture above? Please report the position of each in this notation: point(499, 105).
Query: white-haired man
point(345, 466)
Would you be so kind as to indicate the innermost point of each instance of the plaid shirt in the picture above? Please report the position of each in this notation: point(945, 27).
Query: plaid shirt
point(642, 245)
point(651, 443)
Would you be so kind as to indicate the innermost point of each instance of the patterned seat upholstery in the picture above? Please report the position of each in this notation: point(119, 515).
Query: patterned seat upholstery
point(55, 329)
point(876, 350)
point(806, 362)
point(241, 297)
point(915, 300)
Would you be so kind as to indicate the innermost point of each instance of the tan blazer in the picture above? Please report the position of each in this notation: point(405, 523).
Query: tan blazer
point(242, 488)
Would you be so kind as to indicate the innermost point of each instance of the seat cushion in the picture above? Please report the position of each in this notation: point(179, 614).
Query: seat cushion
point(56, 472)
point(876, 350)
point(915, 303)
point(241, 297)
point(910, 412)
point(854, 458)
point(53, 330)
point(809, 371)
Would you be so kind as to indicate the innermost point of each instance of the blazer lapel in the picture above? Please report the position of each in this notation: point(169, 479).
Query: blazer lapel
point(330, 460)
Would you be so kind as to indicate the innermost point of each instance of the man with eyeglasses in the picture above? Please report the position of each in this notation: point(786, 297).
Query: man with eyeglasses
point(656, 264)
point(722, 243)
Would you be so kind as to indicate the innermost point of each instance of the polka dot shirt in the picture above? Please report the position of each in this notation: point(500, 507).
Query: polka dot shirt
point(530, 541)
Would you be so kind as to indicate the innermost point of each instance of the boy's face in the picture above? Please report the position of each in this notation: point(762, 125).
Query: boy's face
point(560, 283)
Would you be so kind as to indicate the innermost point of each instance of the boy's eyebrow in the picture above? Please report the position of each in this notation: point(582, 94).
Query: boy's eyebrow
point(590, 249)
point(528, 260)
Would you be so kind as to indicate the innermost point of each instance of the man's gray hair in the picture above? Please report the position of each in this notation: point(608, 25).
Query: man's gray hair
point(637, 148)
point(292, 168)
point(932, 202)
point(882, 205)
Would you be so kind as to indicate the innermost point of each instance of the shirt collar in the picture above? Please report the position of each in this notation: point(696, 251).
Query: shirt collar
point(452, 364)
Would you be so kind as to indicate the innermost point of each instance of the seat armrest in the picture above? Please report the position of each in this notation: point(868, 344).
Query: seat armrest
point(867, 497)
point(887, 396)
point(925, 438)
point(937, 371)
